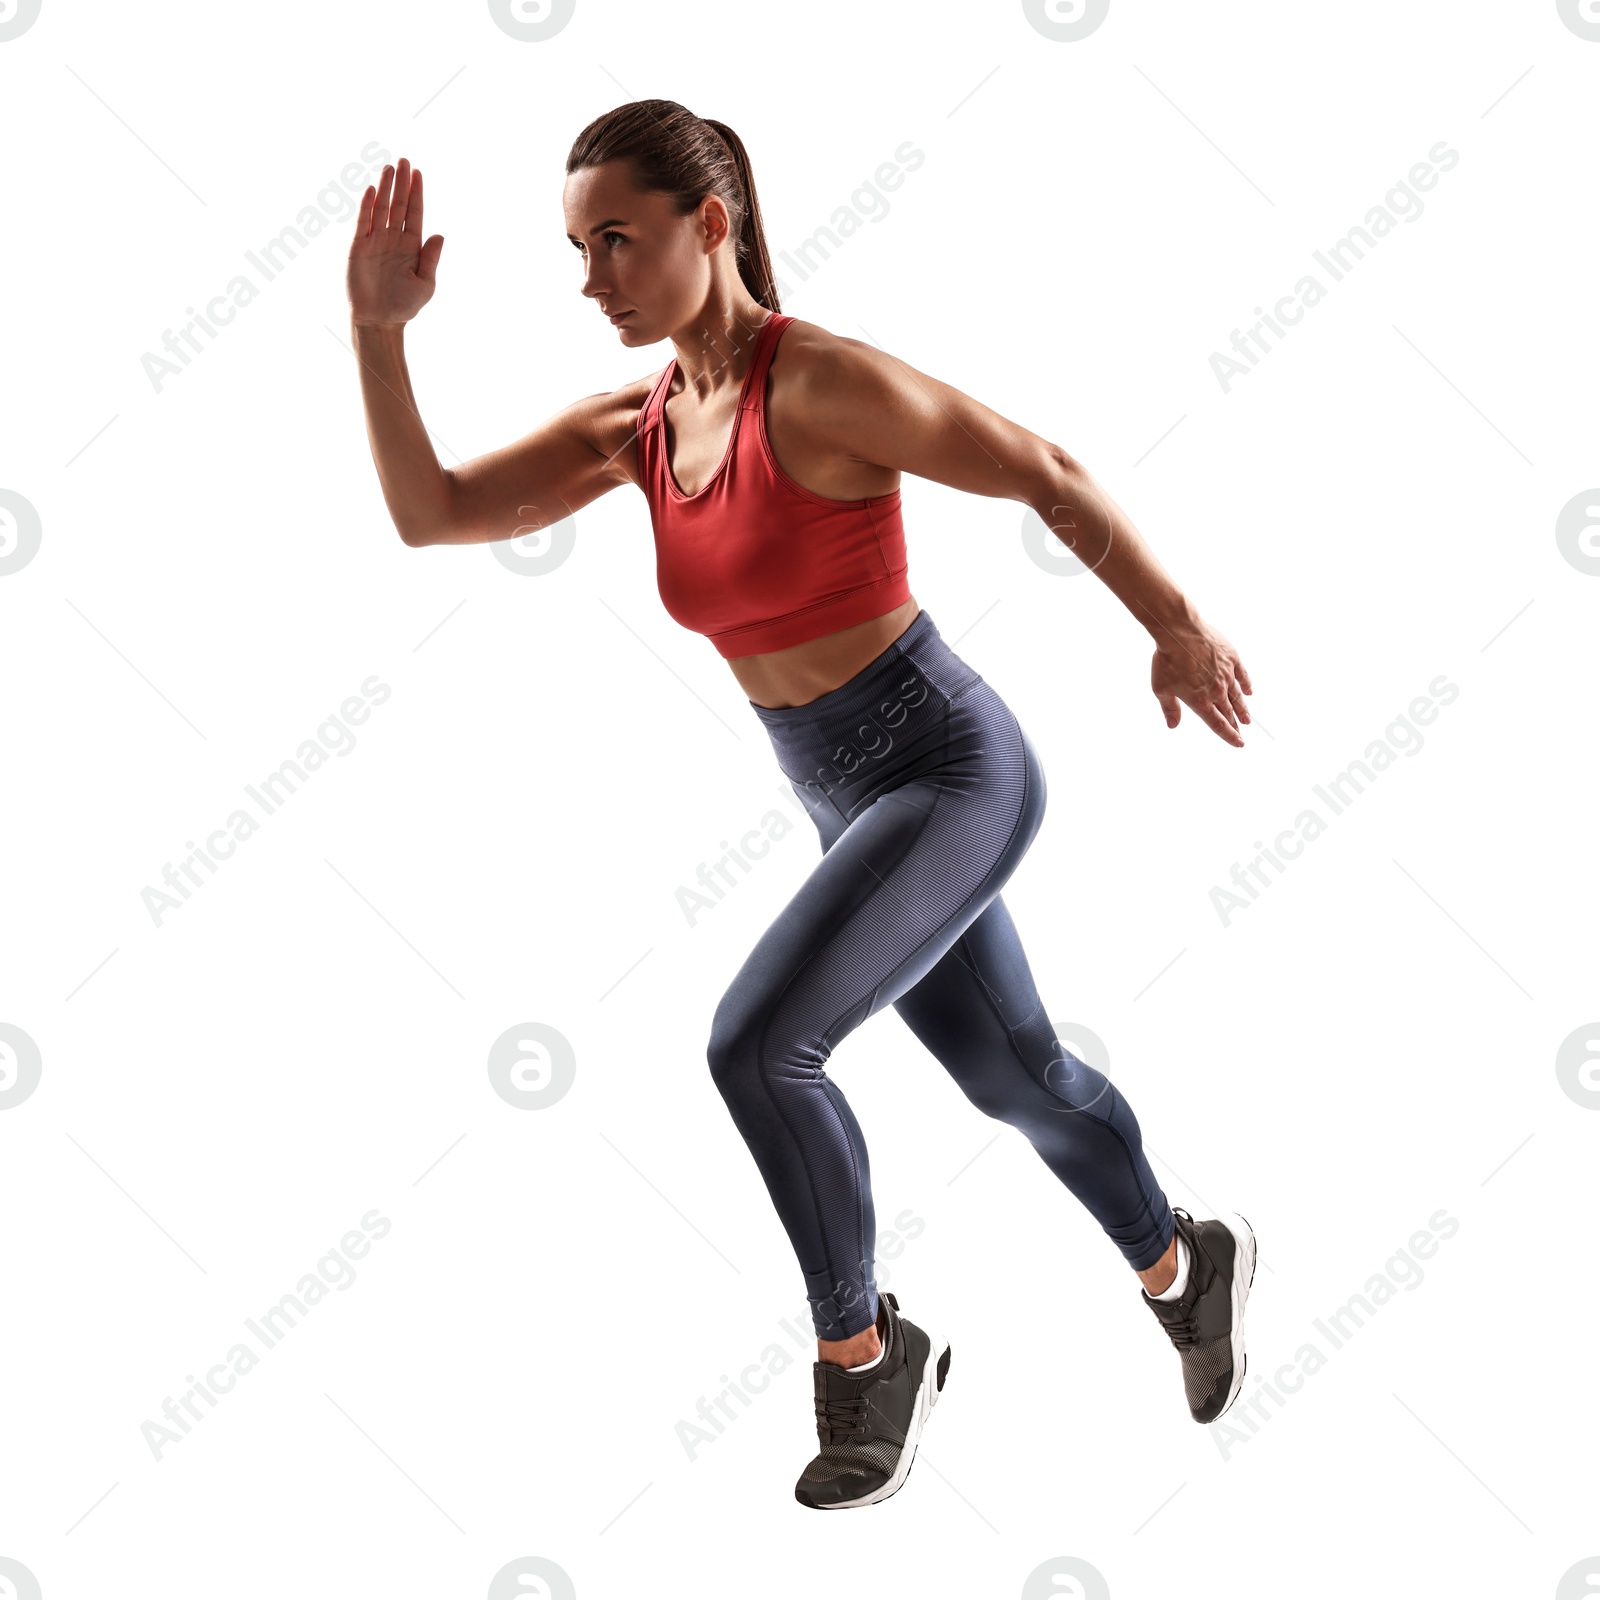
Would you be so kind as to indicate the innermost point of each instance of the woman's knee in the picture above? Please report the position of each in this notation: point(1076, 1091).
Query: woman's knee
point(740, 1031)
point(1078, 1086)
point(1038, 791)
point(732, 1045)
point(1011, 1095)
point(753, 1043)
point(1040, 1082)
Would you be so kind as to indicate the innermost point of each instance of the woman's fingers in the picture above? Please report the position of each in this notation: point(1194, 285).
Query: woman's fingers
point(1238, 680)
point(402, 195)
point(1223, 694)
point(393, 216)
point(414, 204)
point(1221, 724)
point(1212, 682)
point(1236, 696)
point(1215, 706)
point(397, 196)
point(380, 208)
point(1212, 701)
point(428, 260)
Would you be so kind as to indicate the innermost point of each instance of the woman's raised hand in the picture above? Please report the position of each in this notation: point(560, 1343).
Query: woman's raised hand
point(1196, 665)
point(390, 276)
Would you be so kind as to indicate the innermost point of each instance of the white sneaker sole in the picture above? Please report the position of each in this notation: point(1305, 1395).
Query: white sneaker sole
point(927, 1398)
point(1244, 1274)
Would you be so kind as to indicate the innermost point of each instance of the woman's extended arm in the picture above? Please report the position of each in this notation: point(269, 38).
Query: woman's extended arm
point(879, 409)
point(546, 475)
point(1193, 662)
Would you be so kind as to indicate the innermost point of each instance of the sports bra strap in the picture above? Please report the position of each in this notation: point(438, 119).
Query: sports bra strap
point(653, 407)
point(766, 344)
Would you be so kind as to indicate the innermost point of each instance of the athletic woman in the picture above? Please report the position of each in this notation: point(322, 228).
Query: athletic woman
point(770, 452)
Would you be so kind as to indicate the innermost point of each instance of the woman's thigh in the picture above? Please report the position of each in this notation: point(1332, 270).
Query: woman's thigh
point(899, 881)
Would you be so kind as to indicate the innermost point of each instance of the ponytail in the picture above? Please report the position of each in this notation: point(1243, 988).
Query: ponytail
point(755, 266)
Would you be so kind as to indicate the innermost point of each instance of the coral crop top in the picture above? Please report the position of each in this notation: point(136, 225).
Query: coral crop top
point(754, 561)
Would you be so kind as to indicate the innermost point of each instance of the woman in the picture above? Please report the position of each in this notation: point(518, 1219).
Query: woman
point(770, 452)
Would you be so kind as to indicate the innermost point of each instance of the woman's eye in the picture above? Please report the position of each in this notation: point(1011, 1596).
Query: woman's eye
point(612, 235)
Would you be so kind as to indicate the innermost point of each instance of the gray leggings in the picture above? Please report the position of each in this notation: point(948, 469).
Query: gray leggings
point(926, 794)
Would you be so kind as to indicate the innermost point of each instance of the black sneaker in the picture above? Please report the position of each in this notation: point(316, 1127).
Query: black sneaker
point(1206, 1322)
point(869, 1422)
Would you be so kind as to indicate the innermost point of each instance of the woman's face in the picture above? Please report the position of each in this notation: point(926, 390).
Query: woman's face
point(638, 255)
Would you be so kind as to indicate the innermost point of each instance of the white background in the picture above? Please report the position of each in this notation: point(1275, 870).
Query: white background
point(223, 1097)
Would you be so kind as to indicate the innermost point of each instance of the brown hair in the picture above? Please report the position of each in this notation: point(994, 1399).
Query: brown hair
point(671, 151)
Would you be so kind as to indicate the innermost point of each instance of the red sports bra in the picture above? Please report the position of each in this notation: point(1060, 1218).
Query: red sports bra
point(753, 560)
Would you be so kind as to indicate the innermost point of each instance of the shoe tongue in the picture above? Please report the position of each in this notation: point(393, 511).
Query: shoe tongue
point(829, 1382)
point(1174, 1310)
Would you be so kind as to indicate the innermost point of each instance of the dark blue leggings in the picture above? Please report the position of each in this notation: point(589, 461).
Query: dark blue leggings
point(926, 793)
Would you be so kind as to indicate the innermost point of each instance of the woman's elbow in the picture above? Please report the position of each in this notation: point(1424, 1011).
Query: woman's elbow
point(434, 525)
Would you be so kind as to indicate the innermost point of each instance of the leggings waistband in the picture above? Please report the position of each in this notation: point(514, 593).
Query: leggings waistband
point(894, 681)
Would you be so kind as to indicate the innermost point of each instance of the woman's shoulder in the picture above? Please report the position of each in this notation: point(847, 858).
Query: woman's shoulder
point(811, 342)
point(626, 400)
point(610, 421)
point(824, 366)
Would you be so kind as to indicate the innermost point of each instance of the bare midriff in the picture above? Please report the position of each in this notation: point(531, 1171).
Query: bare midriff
point(793, 677)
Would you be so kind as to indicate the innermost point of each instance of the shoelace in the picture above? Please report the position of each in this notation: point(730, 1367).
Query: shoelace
point(1184, 1331)
point(847, 1416)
